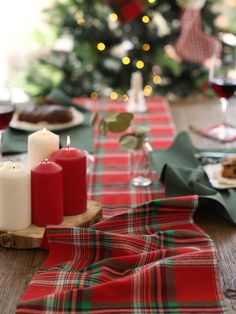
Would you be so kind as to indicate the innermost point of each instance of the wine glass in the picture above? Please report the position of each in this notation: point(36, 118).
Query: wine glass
point(6, 111)
point(222, 78)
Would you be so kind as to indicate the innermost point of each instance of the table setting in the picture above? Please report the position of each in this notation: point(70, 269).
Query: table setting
point(118, 157)
point(185, 174)
point(146, 238)
point(15, 137)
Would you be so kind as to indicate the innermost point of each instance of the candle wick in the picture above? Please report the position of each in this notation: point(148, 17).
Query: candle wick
point(45, 161)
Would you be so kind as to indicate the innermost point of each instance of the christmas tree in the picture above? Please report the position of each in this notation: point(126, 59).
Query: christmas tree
point(108, 40)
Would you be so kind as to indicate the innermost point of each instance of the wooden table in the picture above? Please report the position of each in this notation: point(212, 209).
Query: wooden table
point(202, 113)
point(18, 266)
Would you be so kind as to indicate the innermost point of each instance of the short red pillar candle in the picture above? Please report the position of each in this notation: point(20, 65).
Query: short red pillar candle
point(73, 162)
point(47, 194)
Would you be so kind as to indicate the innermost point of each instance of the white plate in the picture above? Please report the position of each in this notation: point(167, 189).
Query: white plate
point(77, 119)
point(213, 172)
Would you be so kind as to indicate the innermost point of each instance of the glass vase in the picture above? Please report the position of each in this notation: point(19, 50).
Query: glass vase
point(140, 165)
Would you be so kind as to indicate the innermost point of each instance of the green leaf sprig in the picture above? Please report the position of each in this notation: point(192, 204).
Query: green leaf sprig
point(112, 121)
point(135, 139)
point(117, 122)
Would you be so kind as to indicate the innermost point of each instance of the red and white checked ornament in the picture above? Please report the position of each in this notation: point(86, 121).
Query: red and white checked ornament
point(194, 45)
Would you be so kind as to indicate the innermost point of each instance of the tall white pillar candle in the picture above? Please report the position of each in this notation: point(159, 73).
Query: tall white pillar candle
point(15, 197)
point(136, 101)
point(41, 145)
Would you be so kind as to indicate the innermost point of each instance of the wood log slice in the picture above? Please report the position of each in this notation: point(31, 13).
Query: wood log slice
point(31, 237)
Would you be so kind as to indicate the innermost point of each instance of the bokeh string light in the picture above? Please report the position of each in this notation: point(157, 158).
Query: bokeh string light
point(81, 21)
point(140, 64)
point(113, 17)
point(125, 97)
point(156, 79)
point(145, 19)
point(126, 60)
point(94, 95)
point(114, 95)
point(147, 90)
point(146, 47)
point(101, 46)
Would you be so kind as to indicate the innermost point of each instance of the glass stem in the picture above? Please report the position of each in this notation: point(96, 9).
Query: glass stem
point(224, 107)
point(1, 146)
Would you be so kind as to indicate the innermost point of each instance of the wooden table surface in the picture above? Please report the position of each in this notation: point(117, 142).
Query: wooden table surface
point(18, 266)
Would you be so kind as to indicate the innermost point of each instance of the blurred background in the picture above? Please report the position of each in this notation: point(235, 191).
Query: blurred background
point(90, 48)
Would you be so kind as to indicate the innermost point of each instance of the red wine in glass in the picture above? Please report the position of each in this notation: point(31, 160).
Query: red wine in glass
point(224, 88)
point(6, 113)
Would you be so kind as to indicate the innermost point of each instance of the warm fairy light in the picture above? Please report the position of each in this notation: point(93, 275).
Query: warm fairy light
point(113, 17)
point(151, 1)
point(68, 141)
point(101, 46)
point(156, 79)
point(145, 19)
point(44, 131)
point(125, 97)
point(113, 95)
point(126, 60)
point(147, 90)
point(146, 47)
point(81, 21)
point(94, 95)
point(139, 64)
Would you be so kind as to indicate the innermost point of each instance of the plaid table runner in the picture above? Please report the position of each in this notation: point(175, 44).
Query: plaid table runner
point(111, 173)
point(150, 258)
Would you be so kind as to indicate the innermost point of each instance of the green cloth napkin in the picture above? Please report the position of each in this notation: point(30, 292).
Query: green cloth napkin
point(60, 97)
point(15, 141)
point(183, 174)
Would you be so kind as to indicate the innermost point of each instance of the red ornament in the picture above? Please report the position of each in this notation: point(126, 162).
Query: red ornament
point(73, 163)
point(47, 194)
point(127, 10)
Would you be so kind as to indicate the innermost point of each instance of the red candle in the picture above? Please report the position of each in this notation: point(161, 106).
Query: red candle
point(73, 162)
point(47, 194)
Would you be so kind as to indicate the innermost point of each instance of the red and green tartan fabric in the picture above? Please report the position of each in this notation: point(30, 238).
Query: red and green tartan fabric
point(149, 258)
point(111, 174)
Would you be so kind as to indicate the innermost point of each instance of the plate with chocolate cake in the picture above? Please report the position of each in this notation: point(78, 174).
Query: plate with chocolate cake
point(53, 117)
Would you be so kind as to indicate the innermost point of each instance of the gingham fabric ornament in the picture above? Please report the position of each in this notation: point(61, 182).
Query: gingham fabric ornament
point(127, 10)
point(193, 45)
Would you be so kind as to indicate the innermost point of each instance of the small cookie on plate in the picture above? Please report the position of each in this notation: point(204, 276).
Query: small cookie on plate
point(229, 167)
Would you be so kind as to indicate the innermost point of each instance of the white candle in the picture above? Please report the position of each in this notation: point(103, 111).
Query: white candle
point(137, 81)
point(136, 102)
point(41, 145)
point(15, 197)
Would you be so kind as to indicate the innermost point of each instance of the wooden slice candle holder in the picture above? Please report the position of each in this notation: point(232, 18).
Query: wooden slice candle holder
point(31, 237)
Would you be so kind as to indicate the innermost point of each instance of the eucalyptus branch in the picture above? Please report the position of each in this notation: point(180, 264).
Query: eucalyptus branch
point(117, 122)
point(112, 121)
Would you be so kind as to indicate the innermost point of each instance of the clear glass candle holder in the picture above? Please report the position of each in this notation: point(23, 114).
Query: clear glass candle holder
point(140, 165)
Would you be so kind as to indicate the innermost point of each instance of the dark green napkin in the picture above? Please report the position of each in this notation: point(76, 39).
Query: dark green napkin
point(61, 98)
point(183, 174)
point(15, 141)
